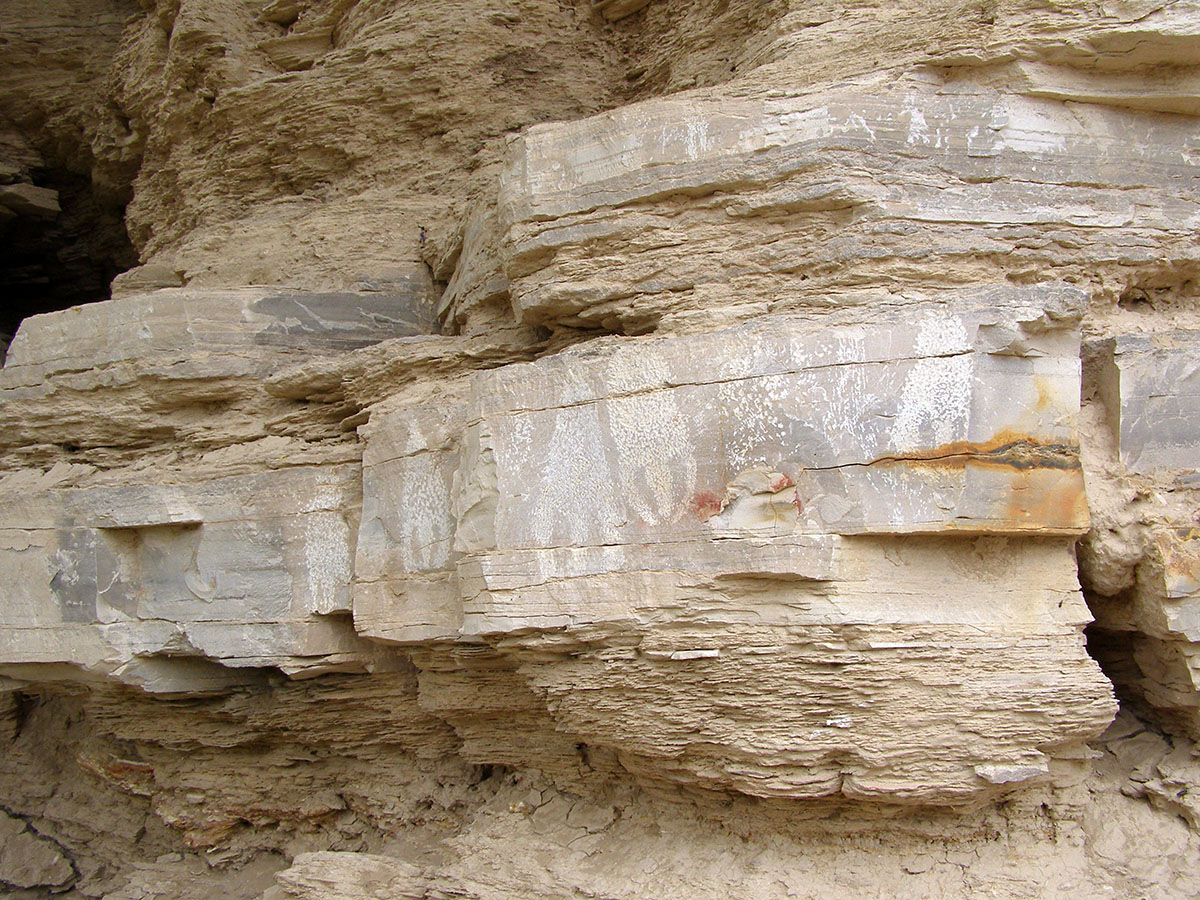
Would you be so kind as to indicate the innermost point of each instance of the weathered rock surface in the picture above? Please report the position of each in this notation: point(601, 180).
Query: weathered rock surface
point(186, 370)
point(726, 510)
point(697, 205)
point(28, 861)
point(248, 571)
point(624, 449)
point(566, 499)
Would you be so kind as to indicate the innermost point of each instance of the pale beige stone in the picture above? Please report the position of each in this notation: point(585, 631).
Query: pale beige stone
point(613, 449)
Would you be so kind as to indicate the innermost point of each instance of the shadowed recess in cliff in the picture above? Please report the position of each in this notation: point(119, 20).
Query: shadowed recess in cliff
point(60, 245)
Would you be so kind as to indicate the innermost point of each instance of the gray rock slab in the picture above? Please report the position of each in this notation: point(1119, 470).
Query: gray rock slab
point(856, 186)
point(249, 570)
point(251, 322)
point(1160, 401)
point(921, 422)
point(596, 484)
point(687, 143)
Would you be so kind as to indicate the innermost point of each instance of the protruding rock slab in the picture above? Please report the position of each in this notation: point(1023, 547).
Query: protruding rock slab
point(925, 422)
point(181, 322)
point(689, 206)
point(187, 367)
point(675, 538)
point(26, 199)
point(152, 583)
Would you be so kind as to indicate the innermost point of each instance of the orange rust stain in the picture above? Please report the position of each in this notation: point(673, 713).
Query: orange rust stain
point(1039, 485)
point(1180, 548)
point(1051, 499)
point(1045, 395)
point(1008, 449)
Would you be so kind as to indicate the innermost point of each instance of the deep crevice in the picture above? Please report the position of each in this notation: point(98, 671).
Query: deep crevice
point(1113, 652)
point(54, 260)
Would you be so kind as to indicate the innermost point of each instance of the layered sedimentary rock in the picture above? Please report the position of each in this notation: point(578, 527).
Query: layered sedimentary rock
point(704, 511)
point(685, 517)
point(249, 569)
point(688, 207)
point(245, 570)
point(606, 448)
point(185, 369)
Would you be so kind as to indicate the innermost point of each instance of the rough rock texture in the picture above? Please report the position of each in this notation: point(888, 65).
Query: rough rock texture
point(611, 448)
point(1145, 566)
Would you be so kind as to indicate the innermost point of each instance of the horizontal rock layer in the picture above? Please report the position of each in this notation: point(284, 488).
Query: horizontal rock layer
point(694, 206)
point(629, 524)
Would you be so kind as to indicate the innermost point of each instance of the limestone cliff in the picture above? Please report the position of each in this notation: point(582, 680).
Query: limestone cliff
point(611, 448)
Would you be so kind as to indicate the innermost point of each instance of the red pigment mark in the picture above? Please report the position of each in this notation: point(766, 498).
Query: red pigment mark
point(123, 768)
point(780, 483)
point(797, 502)
point(706, 504)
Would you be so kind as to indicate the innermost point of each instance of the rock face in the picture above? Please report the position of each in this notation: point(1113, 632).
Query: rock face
point(896, 187)
point(762, 505)
point(605, 448)
point(29, 862)
point(1147, 598)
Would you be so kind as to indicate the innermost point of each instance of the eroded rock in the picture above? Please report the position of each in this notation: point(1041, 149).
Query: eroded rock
point(617, 449)
point(29, 861)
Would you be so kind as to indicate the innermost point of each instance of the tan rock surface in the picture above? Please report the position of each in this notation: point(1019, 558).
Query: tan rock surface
point(622, 449)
